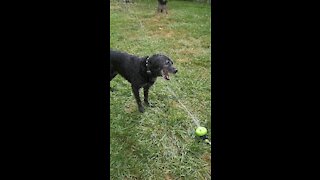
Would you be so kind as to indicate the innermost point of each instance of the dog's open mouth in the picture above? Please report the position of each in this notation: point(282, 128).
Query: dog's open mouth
point(165, 74)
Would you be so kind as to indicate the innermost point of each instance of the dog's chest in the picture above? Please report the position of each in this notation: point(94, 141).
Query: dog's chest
point(152, 80)
point(149, 83)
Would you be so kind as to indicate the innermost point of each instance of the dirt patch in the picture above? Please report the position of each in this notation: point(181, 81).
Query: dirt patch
point(161, 32)
point(183, 60)
point(157, 26)
point(130, 107)
point(207, 157)
point(168, 177)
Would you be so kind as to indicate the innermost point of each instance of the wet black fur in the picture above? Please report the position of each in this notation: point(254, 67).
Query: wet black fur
point(135, 70)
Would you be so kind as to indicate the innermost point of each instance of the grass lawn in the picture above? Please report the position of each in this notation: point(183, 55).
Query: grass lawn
point(160, 143)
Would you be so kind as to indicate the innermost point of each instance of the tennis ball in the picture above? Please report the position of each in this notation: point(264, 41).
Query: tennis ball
point(201, 131)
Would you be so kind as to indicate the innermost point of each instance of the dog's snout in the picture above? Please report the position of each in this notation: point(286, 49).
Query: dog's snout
point(175, 71)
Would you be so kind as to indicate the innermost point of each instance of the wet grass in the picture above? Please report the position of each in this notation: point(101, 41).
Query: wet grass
point(160, 143)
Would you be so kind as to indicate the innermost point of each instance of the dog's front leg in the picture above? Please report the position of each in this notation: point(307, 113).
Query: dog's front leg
point(135, 91)
point(146, 94)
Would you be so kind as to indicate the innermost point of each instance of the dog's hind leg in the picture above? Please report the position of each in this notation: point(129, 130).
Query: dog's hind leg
point(135, 91)
point(112, 76)
point(113, 73)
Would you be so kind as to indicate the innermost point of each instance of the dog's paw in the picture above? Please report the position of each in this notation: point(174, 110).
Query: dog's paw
point(146, 103)
point(141, 109)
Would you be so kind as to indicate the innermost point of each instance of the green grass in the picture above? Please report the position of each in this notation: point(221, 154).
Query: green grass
point(160, 143)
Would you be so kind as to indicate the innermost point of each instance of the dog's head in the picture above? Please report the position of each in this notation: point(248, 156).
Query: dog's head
point(160, 65)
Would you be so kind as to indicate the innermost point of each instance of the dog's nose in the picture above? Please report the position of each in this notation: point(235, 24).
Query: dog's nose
point(175, 71)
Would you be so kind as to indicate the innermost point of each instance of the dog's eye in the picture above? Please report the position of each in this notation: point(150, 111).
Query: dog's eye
point(167, 62)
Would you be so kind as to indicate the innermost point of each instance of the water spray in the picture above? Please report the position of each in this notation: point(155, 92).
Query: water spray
point(201, 132)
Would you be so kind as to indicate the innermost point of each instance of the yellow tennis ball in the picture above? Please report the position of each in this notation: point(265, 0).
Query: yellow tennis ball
point(201, 131)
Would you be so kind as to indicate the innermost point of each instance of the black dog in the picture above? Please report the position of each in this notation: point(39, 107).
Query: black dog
point(162, 5)
point(140, 72)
